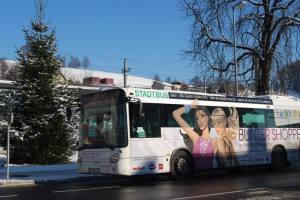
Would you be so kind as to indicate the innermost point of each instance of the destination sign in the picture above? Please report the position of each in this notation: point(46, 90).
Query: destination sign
point(173, 95)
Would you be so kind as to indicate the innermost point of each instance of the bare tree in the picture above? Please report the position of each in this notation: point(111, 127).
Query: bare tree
point(3, 68)
point(196, 81)
point(168, 79)
point(267, 34)
point(13, 72)
point(74, 62)
point(156, 77)
point(9, 71)
point(85, 62)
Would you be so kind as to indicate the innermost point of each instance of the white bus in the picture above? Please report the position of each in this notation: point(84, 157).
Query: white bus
point(130, 131)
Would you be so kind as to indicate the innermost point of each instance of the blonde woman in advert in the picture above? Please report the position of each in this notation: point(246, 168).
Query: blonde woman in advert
point(227, 130)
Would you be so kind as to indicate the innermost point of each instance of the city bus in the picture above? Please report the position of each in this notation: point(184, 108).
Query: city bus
point(133, 131)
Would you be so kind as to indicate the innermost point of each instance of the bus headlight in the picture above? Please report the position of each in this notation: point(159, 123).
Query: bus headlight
point(114, 158)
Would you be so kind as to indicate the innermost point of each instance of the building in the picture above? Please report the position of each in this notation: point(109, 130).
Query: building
point(158, 85)
point(180, 86)
point(98, 82)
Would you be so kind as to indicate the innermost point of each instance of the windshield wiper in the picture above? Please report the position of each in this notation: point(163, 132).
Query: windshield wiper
point(112, 147)
point(85, 146)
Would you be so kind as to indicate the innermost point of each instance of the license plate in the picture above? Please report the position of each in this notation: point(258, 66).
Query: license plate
point(94, 170)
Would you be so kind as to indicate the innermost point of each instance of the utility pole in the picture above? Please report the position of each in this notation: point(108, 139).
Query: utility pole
point(239, 5)
point(9, 110)
point(125, 70)
point(204, 85)
point(8, 135)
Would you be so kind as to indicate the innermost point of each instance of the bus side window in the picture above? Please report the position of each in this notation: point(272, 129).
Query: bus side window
point(153, 120)
point(169, 120)
point(270, 119)
point(145, 122)
point(257, 118)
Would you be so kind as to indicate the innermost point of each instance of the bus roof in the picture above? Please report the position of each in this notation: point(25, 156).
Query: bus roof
point(288, 102)
point(186, 97)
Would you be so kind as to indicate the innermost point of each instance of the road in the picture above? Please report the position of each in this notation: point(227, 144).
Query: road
point(245, 184)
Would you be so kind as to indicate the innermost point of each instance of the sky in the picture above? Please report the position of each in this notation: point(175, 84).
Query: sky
point(150, 34)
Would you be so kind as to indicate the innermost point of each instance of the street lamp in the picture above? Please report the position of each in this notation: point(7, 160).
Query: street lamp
point(238, 5)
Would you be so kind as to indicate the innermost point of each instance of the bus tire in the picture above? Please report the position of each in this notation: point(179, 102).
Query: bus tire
point(278, 159)
point(181, 166)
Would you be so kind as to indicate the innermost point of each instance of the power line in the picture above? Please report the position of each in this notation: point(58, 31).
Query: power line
point(137, 70)
point(111, 57)
point(10, 47)
point(158, 65)
point(97, 56)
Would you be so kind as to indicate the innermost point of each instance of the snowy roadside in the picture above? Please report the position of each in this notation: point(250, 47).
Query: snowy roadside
point(31, 174)
point(27, 174)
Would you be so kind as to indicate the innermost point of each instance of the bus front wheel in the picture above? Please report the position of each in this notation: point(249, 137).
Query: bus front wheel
point(278, 158)
point(181, 166)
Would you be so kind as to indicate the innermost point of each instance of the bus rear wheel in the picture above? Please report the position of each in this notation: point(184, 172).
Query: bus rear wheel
point(181, 166)
point(278, 158)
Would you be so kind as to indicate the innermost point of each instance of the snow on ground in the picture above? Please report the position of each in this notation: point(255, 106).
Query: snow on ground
point(30, 174)
point(38, 168)
point(77, 75)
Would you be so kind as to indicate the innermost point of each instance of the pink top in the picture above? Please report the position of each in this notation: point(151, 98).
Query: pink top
point(203, 153)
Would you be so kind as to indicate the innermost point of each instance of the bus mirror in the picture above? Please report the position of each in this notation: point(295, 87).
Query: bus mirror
point(139, 110)
point(142, 110)
point(133, 100)
point(69, 113)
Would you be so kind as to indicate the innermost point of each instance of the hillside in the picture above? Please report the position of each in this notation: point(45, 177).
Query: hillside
point(77, 75)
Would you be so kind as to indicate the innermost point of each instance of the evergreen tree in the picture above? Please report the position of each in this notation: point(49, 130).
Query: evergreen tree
point(40, 110)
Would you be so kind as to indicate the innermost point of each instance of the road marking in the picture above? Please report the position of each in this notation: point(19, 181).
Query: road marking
point(222, 193)
point(164, 182)
point(8, 196)
point(87, 189)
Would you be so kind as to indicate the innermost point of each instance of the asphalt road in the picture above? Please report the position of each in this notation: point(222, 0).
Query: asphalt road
point(245, 184)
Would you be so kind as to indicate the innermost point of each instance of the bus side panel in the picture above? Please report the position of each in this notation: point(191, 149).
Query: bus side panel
point(254, 146)
point(152, 155)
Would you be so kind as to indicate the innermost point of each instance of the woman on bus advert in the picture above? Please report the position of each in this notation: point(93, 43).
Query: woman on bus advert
point(227, 130)
point(206, 148)
point(203, 150)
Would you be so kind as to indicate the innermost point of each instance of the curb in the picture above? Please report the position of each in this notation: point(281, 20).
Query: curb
point(20, 182)
point(16, 182)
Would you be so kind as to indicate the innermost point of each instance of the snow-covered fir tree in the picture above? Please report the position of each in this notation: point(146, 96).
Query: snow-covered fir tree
point(47, 136)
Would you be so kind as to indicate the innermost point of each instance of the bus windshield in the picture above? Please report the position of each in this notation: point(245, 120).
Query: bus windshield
point(103, 120)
